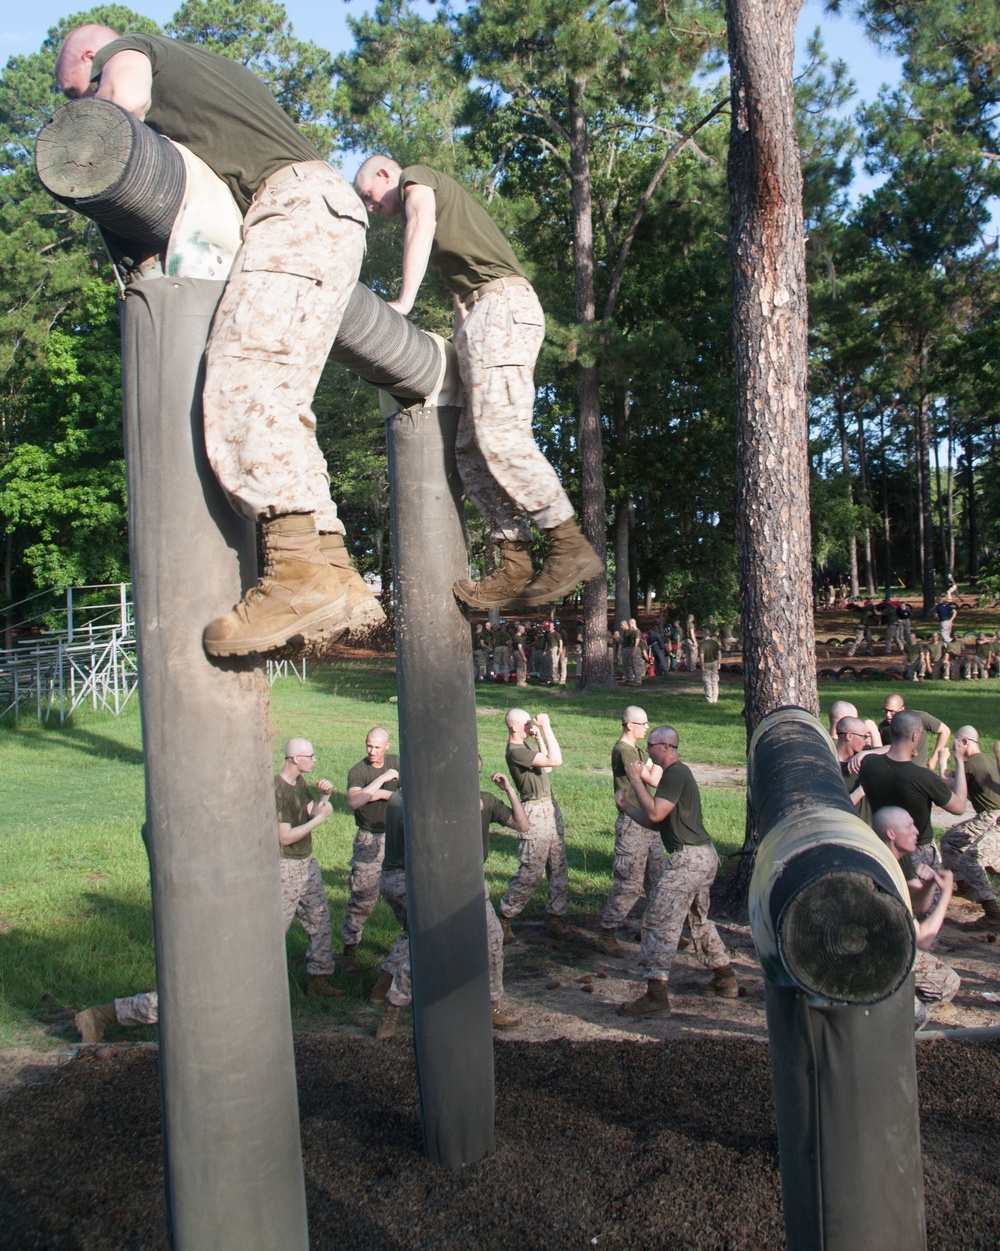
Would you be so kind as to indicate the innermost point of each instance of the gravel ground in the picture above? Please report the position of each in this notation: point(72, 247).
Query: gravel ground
point(610, 1145)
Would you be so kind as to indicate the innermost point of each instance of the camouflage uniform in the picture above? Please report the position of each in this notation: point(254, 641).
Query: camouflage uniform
point(303, 895)
point(502, 470)
point(521, 658)
point(397, 964)
point(392, 888)
point(141, 1009)
point(936, 983)
point(970, 848)
point(681, 895)
point(362, 882)
point(638, 864)
point(541, 851)
point(303, 241)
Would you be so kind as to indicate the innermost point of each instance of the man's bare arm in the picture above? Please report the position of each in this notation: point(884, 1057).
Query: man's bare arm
point(959, 785)
point(420, 207)
point(288, 833)
point(943, 735)
point(127, 80)
point(358, 796)
point(519, 821)
point(655, 811)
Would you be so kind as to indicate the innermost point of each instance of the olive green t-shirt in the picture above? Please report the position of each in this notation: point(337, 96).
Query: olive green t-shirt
point(623, 754)
point(468, 249)
point(292, 801)
point(371, 816)
point(530, 781)
point(709, 651)
point(494, 812)
point(907, 785)
point(218, 108)
point(395, 854)
point(684, 826)
point(981, 798)
point(931, 725)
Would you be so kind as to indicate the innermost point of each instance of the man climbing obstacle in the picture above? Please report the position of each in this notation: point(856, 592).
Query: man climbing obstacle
point(499, 327)
point(303, 240)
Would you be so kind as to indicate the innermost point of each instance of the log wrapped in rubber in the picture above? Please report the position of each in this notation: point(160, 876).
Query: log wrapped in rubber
point(829, 907)
point(100, 160)
point(385, 349)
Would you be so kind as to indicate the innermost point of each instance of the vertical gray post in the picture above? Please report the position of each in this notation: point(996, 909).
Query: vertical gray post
point(233, 1172)
point(836, 942)
point(452, 1027)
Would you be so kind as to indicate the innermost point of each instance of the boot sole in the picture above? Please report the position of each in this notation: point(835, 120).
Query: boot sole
point(474, 600)
point(591, 570)
point(322, 626)
point(638, 1014)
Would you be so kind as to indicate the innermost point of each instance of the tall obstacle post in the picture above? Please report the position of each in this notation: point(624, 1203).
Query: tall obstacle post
point(452, 1025)
point(233, 1157)
point(830, 914)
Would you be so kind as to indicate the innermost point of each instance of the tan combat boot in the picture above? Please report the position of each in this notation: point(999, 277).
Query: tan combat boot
point(989, 922)
point(381, 987)
point(92, 1022)
point(571, 560)
point(504, 585)
point(503, 1020)
point(298, 596)
point(364, 611)
point(655, 1002)
point(508, 933)
point(319, 985)
point(387, 1025)
point(558, 928)
point(607, 941)
point(723, 984)
point(348, 961)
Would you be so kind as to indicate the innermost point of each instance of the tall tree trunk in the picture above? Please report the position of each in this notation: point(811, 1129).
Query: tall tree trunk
point(767, 250)
point(950, 479)
point(768, 256)
point(622, 528)
point(923, 439)
point(970, 504)
point(845, 464)
point(864, 483)
point(595, 666)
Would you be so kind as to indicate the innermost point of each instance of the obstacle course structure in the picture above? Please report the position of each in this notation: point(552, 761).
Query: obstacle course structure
point(831, 922)
point(233, 1160)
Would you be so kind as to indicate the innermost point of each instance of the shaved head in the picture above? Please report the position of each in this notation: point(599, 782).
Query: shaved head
point(633, 713)
point(74, 63)
point(298, 747)
point(378, 735)
point(840, 708)
point(516, 717)
point(851, 725)
point(372, 166)
point(890, 820)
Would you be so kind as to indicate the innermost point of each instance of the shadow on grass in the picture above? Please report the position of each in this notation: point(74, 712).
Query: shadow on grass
point(76, 738)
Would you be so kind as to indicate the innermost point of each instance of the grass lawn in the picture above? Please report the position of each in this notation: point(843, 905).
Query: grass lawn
point(75, 920)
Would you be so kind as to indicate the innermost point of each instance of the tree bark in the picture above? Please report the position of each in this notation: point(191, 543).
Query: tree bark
point(595, 669)
point(768, 256)
point(767, 250)
point(622, 560)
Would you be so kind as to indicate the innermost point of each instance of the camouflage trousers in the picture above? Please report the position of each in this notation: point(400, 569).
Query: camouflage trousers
point(710, 680)
point(639, 863)
point(935, 981)
point(481, 658)
point(303, 241)
point(397, 964)
point(926, 853)
point(362, 882)
point(557, 665)
point(392, 888)
point(541, 851)
point(681, 895)
point(141, 1009)
point(501, 659)
point(502, 469)
point(972, 847)
point(521, 663)
point(303, 895)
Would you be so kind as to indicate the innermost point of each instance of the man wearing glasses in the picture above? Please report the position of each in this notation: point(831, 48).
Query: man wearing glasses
point(972, 847)
point(682, 893)
point(369, 784)
point(302, 891)
point(638, 849)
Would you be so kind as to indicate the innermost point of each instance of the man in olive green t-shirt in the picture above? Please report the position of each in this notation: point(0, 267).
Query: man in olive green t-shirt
point(972, 847)
point(638, 856)
point(682, 893)
point(532, 753)
point(302, 891)
point(709, 652)
point(303, 242)
point(499, 328)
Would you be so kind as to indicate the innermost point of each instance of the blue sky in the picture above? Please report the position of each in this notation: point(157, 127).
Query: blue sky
point(325, 22)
